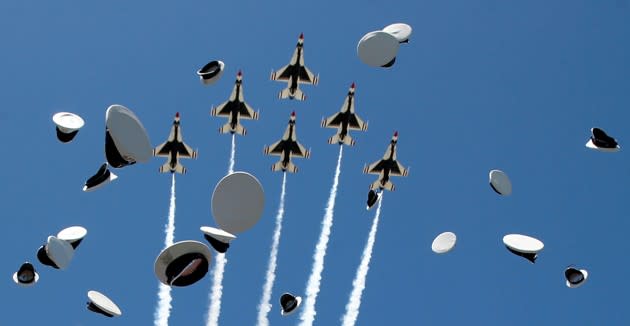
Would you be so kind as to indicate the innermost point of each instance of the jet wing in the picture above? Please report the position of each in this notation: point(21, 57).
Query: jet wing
point(398, 170)
point(334, 121)
point(306, 76)
point(162, 149)
point(224, 109)
point(355, 123)
point(298, 150)
point(375, 168)
point(276, 148)
point(247, 112)
point(186, 151)
point(283, 73)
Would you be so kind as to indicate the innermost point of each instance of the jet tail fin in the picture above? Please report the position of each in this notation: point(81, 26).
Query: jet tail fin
point(180, 168)
point(347, 140)
point(295, 95)
point(228, 128)
point(165, 168)
point(387, 186)
point(291, 168)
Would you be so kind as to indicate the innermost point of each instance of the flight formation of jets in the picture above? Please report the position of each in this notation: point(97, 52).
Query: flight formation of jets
point(184, 263)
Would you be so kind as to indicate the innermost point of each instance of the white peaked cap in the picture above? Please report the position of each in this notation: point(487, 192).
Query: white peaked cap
point(377, 49)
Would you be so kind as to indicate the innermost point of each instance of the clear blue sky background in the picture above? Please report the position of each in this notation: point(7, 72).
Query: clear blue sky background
point(482, 85)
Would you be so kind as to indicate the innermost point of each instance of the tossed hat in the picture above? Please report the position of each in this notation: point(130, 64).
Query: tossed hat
point(102, 177)
point(372, 198)
point(523, 245)
point(183, 263)
point(73, 235)
point(68, 125)
point(101, 304)
point(55, 253)
point(211, 72)
point(444, 242)
point(26, 275)
point(378, 49)
point(400, 31)
point(218, 239)
point(238, 202)
point(575, 277)
point(500, 182)
point(289, 303)
point(126, 140)
point(602, 142)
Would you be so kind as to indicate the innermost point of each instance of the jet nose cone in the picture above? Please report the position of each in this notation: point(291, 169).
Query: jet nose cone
point(239, 74)
point(396, 134)
point(293, 115)
point(177, 115)
point(301, 36)
point(352, 86)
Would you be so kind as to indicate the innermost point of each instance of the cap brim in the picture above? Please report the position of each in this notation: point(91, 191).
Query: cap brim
point(400, 31)
point(67, 121)
point(211, 72)
point(500, 182)
point(17, 281)
point(73, 235)
point(297, 305)
point(218, 234)
point(591, 145)
point(444, 243)
point(523, 243)
point(104, 303)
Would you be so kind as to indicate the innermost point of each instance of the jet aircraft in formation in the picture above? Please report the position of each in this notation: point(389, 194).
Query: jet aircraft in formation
point(287, 147)
point(295, 73)
point(387, 167)
point(174, 148)
point(234, 109)
point(344, 121)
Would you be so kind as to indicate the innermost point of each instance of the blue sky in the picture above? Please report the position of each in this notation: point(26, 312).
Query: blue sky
point(484, 85)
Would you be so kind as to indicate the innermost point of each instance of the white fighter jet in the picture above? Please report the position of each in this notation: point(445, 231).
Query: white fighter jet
point(295, 73)
point(174, 148)
point(234, 109)
point(286, 148)
point(386, 168)
point(344, 121)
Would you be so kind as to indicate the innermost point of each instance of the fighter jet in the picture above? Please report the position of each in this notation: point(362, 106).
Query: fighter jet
point(344, 121)
point(235, 108)
point(287, 147)
point(174, 148)
point(386, 167)
point(295, 73)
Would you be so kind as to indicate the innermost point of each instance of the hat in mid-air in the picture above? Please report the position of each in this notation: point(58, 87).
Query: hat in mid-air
point(218, 239)
point(524, 246)
point(183, 263)
point(575, 277)
point(101, 304)
point(68, 125)
point(26, 275)
point(444, 242)
point(289, 303)
point(211, 72)
point(602, 142)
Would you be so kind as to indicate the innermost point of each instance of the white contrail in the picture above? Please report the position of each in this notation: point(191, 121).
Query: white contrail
point(312, 287)
point(354, 303)
point(264, 307)
point(217, 291)
point(214, 310)
point(163, 310)
point(232, 154)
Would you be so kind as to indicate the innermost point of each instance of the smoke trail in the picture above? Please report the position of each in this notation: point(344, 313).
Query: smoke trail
point(217, 291)
point(312, 287)
point(232, 154)
point(214, 310)
point(264, 307)
point(352, 308)
point(163, 310)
